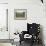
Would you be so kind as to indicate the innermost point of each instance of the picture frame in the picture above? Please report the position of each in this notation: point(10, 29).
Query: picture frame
point(20, 14)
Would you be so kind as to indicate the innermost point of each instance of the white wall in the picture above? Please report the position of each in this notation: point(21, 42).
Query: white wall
point(3, 1)
point(35, 13)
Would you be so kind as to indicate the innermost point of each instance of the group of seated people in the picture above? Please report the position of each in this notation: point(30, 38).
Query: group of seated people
point(32, 33)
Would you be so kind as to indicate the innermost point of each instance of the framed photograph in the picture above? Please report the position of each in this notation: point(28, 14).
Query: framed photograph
point(20, 14)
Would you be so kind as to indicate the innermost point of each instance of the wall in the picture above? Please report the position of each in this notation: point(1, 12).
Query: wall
point(3, 1)
point(35, 13)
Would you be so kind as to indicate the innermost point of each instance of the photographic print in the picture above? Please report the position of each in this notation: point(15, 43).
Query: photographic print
point(20, 14)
